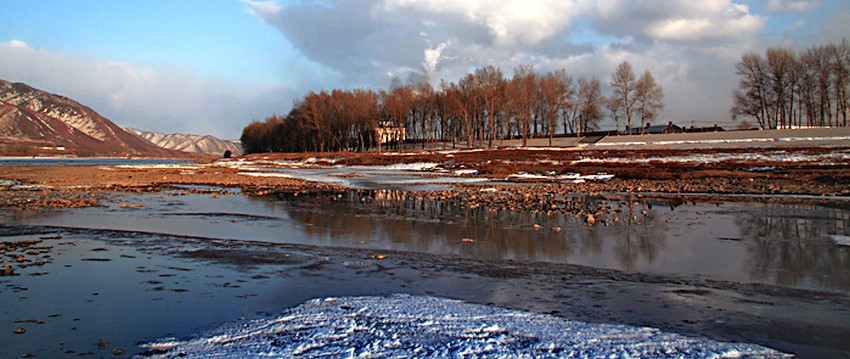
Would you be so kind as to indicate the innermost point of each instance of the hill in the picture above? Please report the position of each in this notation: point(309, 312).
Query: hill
point(189, 143)
point(35, 122)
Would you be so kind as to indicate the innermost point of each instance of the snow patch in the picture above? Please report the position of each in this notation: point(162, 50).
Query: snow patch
point(840, 240)
point(572, 177)
point(418, 326)
point(417, 166)
point(775, 156)
point(721, 141)
point(466, 172)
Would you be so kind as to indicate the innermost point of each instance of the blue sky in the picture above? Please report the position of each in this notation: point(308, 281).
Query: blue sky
point(211, 38)
point(210, 67)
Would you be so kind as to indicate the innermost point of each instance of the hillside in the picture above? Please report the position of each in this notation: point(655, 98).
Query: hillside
point(33, 122)
point(189, 143)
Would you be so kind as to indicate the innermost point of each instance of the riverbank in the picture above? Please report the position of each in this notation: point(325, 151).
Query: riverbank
point(535, 179)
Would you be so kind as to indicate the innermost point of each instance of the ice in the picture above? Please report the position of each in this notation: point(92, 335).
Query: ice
point(420, 326)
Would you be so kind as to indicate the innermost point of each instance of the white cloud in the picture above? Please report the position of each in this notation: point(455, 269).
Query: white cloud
point(789, 5)
point(508, 22)
point(678, 20)
point(433, 55)
point(164, 100)
point(17, 44)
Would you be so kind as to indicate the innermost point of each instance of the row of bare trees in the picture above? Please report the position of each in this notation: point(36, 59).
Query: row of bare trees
point(785, 89)
point(483, 108)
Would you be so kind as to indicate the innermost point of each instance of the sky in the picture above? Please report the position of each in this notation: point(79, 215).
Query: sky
point(213, 66)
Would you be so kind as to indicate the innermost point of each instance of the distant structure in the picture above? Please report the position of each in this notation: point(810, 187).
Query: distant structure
point(714, 128)
point(656, 130)
point(388, 133)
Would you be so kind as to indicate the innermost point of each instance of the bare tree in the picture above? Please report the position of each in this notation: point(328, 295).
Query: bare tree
point(556, 92)
point(523, 88)
point(840, 60)
point(589, 103)
point(614, 106)
point(649, 98)
point(785, 89)
point(781, 63)
point(750, 99)
point(623, 83)
point(396, 105)
point(491, 87)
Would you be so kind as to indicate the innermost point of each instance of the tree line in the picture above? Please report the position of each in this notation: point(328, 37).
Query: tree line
point(785, 88)
point(483, 108)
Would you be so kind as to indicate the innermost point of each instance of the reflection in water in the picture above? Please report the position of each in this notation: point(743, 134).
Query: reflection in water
point(732, 241)
point(789, 245)
point(413, 222)
point(769, 243)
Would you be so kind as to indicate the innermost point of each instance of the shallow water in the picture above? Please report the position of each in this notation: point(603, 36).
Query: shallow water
point(749, 242)
point(140, 274)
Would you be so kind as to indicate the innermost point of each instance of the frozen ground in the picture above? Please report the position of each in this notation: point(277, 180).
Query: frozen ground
point(419, 326)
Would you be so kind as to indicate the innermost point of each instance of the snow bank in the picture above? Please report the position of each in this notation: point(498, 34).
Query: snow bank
point(413, 326)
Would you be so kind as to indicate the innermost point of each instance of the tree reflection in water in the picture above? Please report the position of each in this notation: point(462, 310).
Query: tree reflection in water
point(790, 245)
point(410, 221)
point(773, 244)
point(643, 238)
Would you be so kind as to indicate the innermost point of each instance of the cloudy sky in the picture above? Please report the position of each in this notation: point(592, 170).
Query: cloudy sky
point(211, 66)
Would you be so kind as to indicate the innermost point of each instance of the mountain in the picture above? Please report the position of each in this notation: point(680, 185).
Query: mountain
point(190, 143)
point(37, 122)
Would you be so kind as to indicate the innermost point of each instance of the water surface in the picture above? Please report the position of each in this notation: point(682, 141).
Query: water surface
point(748, 242)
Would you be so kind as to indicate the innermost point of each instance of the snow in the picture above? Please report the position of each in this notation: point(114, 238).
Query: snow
point(726, 140)
point(840, 240)
point(420, 326)
point(417, 166)
point(466, 172)
point(574, 177)
point(775, 156)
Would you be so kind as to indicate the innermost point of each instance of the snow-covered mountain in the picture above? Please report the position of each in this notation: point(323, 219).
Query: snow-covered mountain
point(37, 122)
point(190, 143)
